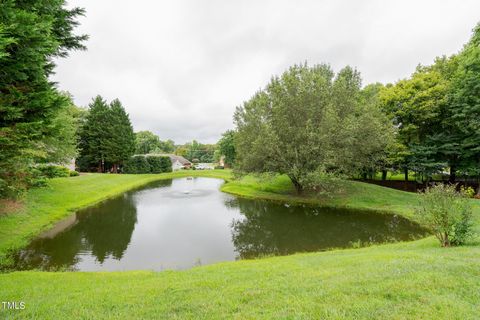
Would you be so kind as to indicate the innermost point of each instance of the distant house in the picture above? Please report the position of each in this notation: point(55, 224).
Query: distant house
point(178, 162)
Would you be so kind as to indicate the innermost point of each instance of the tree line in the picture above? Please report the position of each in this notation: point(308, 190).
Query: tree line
point(437, 113)
point(40, 124)
point(311, 123)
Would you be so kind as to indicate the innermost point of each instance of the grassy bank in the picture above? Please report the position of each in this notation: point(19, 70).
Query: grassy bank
point(414, 280)
point(401, 281)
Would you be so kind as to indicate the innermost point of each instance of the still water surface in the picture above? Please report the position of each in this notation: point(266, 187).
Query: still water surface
point(180, 223)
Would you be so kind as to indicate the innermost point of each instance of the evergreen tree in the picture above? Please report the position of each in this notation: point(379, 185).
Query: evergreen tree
point(106, 138)
point(32, 33)
point(121, 145)
point(95, 134)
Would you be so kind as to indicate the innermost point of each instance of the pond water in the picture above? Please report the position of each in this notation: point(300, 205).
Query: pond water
point(180, 223)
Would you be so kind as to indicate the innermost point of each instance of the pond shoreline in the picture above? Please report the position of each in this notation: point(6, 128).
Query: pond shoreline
point(43, 208)
point(421, 278)
point(39, 216)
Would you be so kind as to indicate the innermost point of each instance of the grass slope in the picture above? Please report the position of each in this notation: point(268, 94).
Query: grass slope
point(414, 280)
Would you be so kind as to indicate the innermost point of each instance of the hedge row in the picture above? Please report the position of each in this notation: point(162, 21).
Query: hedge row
point(148, 164)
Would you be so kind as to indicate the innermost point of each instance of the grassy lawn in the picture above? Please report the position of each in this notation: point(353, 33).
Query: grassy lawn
point(414, 280)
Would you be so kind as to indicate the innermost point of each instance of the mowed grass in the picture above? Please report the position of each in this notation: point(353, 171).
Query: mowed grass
point(401, 281)
point(411, 280)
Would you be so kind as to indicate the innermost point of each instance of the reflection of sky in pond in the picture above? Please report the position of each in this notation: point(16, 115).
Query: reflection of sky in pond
point(177, 224)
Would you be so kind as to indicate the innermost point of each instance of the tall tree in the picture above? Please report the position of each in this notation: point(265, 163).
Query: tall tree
point(462, 120)
point(417, 106)
point(226, 147)
point(32, 34)
point(95, 136)
point(106, 137)
point(60, 145)
point(122, 141)
point(307, 119)
point(146, 142)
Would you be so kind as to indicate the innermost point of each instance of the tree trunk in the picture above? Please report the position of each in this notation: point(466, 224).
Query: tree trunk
point(115, 168)
point(297, 185)
point(453, 174)
point(446, 241)
point(406, 174)
point(384, 175)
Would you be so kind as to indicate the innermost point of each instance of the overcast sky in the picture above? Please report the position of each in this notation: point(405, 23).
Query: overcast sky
point(181, 67)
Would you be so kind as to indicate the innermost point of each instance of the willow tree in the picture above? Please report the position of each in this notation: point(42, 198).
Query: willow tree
point(309, 119)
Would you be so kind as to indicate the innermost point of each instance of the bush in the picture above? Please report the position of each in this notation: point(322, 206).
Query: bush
point(447, 213)
point(52, 171)
point(166, 164)
point(219, 167)
point(74, 173)
point(468, 191)
point(159, 164)
point(155, 164)
point(323, 182)
point(136, 164)
point(148, 164)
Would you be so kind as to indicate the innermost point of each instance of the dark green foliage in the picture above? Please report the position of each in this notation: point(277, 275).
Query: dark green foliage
point(94, 136)
point(106, 137)
point(32, 33)
point(136, 164)
point(147, 164)
point(159, 164)
point(122, 142)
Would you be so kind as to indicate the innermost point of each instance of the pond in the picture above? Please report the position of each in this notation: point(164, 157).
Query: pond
point(181, 223)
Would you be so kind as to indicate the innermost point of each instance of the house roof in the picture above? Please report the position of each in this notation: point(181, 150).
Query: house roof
point(174, 157)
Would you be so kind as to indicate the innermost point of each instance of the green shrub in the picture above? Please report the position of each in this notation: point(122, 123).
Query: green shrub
point(154, 163)
point(219, 167)
point(468, 191)
point(136, 164)
point(74, 173)
point(166, 164)
point(148, 164)
point(447, 213)
point(323, 182)
point(53, 171)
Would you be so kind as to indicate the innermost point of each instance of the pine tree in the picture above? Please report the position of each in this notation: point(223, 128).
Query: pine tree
point(95, 134)
point(32, 33)
point(106, 138)
point(121, 144)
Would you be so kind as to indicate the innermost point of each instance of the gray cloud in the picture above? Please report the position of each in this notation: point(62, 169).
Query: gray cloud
point(181, 67)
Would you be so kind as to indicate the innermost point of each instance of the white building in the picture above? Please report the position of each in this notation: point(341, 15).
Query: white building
point(178, 162)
